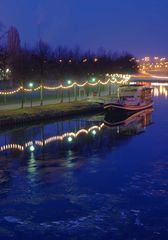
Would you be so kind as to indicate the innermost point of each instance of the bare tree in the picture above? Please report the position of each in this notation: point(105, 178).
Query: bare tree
point(43, 54)
point(13, 40)
point(14, 50)
point(4, 62)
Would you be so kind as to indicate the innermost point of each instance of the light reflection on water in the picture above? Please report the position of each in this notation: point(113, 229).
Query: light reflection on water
point(108, 182)
point(160, 88)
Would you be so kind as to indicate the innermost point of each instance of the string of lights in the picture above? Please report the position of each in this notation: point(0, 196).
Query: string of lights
point(11, 92)
point(114, 79)
point(69, 136)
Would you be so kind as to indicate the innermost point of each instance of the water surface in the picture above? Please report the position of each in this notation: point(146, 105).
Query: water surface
point(81, 179)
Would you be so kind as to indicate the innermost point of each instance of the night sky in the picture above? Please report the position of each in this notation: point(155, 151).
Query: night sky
point(137, 26)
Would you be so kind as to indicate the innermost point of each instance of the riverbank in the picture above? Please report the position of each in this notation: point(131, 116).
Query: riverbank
point(20, 117)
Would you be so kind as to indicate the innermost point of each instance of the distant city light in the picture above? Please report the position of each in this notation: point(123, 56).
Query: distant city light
point(147, 59)
point(132, 59)
point(7, 70)
point(85, 60)
point(152, 64)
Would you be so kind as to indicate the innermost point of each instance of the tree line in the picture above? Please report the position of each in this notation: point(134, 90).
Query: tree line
point(41, 62)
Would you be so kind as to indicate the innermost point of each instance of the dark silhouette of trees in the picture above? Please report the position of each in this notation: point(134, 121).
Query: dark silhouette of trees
point(13, 40)
point(42, 53)
point(3, 63)
point(14, 51)
point(3, 54)
point(42, 63)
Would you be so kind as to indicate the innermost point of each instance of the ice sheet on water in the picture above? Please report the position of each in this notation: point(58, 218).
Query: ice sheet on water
point(12, 219)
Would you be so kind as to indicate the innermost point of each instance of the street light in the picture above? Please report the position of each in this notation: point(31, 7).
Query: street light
point(69, 83)
point(94, 132)
point(70, 139)
point(93, 80)
point(31, 86)
point(32, 148)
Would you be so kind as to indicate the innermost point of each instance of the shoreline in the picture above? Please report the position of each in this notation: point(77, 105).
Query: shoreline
point(28, 116)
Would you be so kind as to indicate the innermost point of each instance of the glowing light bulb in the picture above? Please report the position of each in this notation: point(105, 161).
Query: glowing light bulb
point(94, 132)
point(69, 82)
point(32, 148)
point(70, 139)
point(31, 85)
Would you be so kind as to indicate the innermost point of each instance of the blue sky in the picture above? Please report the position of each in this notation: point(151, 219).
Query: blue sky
point(137, 26)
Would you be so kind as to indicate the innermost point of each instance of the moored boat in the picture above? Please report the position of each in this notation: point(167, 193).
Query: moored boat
point(123, 120)
point(130, 125)
point(131, 98)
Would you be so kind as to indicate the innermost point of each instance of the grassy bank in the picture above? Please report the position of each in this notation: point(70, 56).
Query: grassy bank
point(15, 117)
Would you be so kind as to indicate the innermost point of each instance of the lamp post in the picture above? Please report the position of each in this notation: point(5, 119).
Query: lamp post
point(69, 82)
point(6, 73)
point(62, 95)
point(93, 80)
point(99, 89)
point(5, 87)
point(31, 96)
point(109, 88)
point(41, 94)
point(22, 100)
point(75, 92)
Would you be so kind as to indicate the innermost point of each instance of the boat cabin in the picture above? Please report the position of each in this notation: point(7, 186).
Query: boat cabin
point(134, 94)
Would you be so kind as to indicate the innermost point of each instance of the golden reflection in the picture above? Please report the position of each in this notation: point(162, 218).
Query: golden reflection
point(50, 140)
point(136, 121)
point(159, 88)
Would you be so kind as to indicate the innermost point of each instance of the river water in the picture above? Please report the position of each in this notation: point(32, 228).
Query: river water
point(87, 179)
